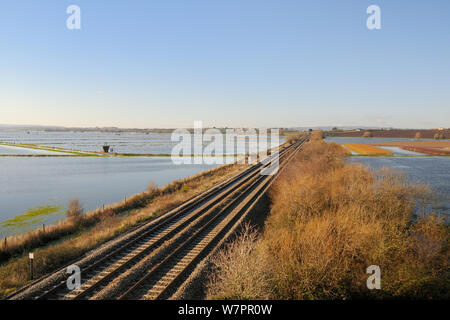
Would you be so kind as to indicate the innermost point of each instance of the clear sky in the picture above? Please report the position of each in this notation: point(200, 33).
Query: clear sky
point(237, 63)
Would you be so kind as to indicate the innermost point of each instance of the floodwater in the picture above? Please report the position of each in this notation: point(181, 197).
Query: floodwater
point(401, 152)
point(431, 170)
point(13, 150)
point(27, 183)
point(36, 182)
point(30, 185)
point(127, 142)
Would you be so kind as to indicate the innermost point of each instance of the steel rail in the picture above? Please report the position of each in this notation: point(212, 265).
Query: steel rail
point(172, 267)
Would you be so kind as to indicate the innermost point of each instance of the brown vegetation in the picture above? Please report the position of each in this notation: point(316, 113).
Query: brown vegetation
point(367, 134)
point(317, 135)
point(292, 138)
point(329, 221)
point(245, 277)
point(75, 212)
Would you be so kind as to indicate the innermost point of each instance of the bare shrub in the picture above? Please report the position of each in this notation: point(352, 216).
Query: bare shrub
point(367, 134)
point(418, 136)
point(239, 270)
point(75, 212)
point(151, 188)
point(317, 135)
point(330, 221)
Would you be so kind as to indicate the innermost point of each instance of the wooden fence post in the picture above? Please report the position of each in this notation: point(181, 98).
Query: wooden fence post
point(31, 256)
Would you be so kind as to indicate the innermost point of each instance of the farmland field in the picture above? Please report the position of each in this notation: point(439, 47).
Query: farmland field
point(365, 149)
point(406, 133)
point(439, 147)
point(445, 144)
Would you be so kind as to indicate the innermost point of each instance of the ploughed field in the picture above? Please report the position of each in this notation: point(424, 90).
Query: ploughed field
point(441, 147)
point(407, 133)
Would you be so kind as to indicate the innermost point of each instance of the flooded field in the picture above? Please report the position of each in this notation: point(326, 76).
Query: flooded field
point(431, 170)
point(134, 143)
point(41, 188)
point(434, 171)
point(9, 150)
point(342, 140)
point(37, 190)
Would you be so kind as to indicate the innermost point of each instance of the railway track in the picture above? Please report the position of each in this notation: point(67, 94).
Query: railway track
point(164, 275)
point(192, 230)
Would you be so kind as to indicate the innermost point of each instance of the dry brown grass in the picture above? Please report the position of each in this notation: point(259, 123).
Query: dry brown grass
point(245, 277)
point(329, 221)
point(317, 135)
point(98, 226)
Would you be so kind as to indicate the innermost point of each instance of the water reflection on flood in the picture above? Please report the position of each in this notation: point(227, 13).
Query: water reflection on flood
point(434, 171)
point(30, 182)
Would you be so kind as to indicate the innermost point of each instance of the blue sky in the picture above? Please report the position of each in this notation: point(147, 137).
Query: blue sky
point(237, 63)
